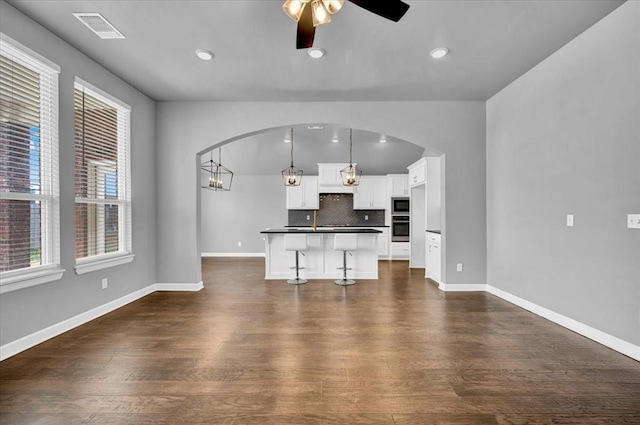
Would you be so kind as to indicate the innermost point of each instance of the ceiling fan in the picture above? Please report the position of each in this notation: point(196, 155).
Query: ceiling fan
point(311, 13)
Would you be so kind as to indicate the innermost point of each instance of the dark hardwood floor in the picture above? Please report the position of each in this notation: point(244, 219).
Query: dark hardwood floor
point(248, 351)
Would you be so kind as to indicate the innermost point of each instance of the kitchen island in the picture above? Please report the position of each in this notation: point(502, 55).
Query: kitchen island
point(321, 261)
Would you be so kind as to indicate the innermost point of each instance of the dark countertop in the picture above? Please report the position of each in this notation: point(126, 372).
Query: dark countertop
point(322, 230)
point(342, 226)
point(434, 231)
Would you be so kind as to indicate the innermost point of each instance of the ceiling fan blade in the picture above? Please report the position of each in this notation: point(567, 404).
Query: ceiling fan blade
point(306, 30)
point(390, 9)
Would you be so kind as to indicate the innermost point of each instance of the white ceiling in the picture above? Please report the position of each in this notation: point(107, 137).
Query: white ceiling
point(492, 42)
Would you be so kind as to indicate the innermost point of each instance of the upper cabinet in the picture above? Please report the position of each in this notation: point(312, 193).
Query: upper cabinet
point(305, 196)
point(329, 174)
point(329, 179)
point(370, 194)
point(398, 185)
point(417, 172)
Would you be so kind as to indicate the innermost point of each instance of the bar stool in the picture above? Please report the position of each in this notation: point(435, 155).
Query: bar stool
point(345, 242)
point(296, 243)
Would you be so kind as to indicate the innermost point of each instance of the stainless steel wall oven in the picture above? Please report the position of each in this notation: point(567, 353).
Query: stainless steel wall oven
point(400, 228)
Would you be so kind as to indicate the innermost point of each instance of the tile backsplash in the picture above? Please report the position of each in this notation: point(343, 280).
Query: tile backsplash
point(337, 209)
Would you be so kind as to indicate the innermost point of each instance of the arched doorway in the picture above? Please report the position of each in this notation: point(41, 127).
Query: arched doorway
point(229, 223)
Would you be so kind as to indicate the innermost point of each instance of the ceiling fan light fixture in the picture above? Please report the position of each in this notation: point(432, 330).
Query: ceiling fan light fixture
point(439, 52)
point(320, 13)
point(333, 5)
point(294, 8)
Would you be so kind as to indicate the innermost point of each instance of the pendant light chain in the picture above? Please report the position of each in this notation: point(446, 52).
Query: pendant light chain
point(350, 146)
point(291, 147)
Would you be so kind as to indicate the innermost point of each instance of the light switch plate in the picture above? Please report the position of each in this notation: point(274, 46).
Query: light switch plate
point(633, 221)
point(570, 220)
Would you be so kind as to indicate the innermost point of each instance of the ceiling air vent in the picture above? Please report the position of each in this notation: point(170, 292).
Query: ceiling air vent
point(99, 25)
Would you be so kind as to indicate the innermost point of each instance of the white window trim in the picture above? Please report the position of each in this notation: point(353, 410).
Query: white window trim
point(23, 278)
point(99, 262)
point(124, 255)
point(28, 55)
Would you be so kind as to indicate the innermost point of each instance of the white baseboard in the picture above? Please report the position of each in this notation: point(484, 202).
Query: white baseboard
point(232, 254)
point(24, 343)
point(12, 348)
point(596, 335)
point(463, 287)
point(179, 286)
point(43, 335)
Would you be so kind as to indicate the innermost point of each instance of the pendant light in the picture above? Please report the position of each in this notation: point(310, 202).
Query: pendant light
point(219, 176)
point(350, 175)
point(292, 176)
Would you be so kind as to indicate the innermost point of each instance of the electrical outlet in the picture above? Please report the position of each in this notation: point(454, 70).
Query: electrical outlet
point(308, 217)
point(366, 218)
point(569, 220)
point(105, 283)
point(239, 244)
point(459, 267)
point(633, 221)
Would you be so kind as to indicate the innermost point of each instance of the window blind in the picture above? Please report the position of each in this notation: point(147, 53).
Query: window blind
point(29, 193)
point(102, 174)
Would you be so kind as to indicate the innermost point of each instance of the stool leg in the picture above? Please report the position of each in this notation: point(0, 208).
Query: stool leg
point(344, 263)
point(344, 281)
point(297, 280)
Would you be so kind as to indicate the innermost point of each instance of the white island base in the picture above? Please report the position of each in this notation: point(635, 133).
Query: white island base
point(321, 261)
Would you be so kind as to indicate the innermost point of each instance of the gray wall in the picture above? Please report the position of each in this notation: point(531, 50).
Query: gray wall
point(565, 139)
point(29, 310)
point(187, 128)
point(253, 204)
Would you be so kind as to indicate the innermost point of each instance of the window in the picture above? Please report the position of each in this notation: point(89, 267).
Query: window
point(102, 179)
point(29, 192)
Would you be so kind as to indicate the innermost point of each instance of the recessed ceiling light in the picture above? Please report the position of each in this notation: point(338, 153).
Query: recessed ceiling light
point(439, 52)
point(203, 54)
point(335, 140)
point(316, 52)
point(286, 140)
point(383, 139)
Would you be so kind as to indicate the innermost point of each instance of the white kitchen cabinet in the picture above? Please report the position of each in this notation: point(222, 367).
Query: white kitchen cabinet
point(329, 174)
point(305, 196)
point(370, 194)
point(400, 250)
point(383, 242)
point(398, 185)
point(434, 256)
point(417, 172)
